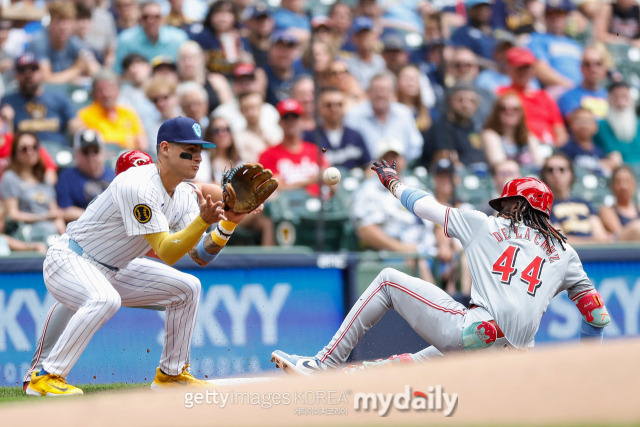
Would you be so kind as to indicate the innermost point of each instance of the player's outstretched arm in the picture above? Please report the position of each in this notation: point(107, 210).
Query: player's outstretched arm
point(171, 247)
point(417, 201)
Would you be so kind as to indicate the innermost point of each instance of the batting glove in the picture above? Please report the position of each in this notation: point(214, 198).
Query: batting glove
point(388, 174)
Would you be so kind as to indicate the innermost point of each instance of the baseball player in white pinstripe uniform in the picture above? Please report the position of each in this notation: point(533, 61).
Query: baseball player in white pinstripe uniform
point(518, 263)
point(96, 267)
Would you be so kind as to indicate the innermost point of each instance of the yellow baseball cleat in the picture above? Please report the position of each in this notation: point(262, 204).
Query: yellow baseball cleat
point(50, 385)
point(163, 381)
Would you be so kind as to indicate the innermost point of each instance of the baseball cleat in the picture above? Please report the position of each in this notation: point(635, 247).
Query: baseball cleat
point(164, 382)
point(479, 335)
point(25, 385)
point(50, 385)
point(396, 359)
point(293, 364)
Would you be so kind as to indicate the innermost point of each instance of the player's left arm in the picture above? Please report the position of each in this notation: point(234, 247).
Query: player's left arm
point(588, 300)
point(211, 244)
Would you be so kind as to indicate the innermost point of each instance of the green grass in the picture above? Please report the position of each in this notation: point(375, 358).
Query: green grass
point(15, 394)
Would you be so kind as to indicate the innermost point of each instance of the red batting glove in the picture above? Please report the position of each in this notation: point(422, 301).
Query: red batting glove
point(388, 174)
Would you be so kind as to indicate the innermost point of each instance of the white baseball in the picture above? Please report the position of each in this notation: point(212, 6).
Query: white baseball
point(331, 176)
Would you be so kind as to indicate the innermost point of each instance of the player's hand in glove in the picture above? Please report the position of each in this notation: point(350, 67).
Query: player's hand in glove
point(388, 174)
point(246, 187)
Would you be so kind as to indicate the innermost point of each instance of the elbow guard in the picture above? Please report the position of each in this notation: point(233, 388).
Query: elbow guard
point(593, 310)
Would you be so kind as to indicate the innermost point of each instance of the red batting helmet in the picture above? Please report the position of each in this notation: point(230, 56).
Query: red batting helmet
point(132, 158)
point(534, 191)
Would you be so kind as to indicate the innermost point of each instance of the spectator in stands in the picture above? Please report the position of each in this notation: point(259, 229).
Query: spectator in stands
point(396, 57)
point(618, 22)
point(282, 68)
point(541, 112)
point(348, 85)
point(164, 66)
point(162, 93)
point(558, 56)
point(193, 101)
point(48, 113)
point(492, 78)
point(127, 14)
point(622, 219)
point(381, 117)
point(620, 130)
point(137, 72)
point(290, 16)
point(150, 38)
point(345, 146)
point(176, 17)
point(382, 223)
point(116, 123)
point(323, 56)
point(77, 186)
point(456, 133)
point(259, 27)
point(220, 39)
point(253, 139)
point(501, 173)
point(409, 94)
point(62, 56)
point(321, 29)
point(96, 27)
point(589, 94)
point(9, 244)
point(366, 62)
point(246, 80)
point(574, 216)
point(518, 17)
point(477, 35)
point(303, 91)
point(295, 162)
point(505, 134)
point(190, 66)
point(226, 155)
point(463, 68)
point(581, 149)
point(341, 17)
point(29, 200)
point(452, 265)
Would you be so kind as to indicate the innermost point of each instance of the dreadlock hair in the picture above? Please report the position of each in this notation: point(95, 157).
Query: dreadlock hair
point(535, 219)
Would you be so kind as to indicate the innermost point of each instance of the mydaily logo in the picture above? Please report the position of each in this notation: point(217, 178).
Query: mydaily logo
point(435, 399)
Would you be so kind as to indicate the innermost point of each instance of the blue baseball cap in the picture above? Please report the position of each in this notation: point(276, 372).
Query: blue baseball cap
point(564, 5)
point(472, 3)
point(284, 37)
point(362, 23)
point(182, 130)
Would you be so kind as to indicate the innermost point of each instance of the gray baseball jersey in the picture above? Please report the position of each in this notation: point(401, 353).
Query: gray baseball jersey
point(515, 274)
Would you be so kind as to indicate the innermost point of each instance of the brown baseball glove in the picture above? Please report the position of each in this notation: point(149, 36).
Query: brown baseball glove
point(246, 187)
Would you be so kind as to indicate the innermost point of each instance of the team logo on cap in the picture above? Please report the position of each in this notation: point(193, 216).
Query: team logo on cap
point(142, 213)
point(197, 130)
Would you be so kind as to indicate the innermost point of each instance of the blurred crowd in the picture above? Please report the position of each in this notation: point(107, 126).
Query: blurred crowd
point(463, 94)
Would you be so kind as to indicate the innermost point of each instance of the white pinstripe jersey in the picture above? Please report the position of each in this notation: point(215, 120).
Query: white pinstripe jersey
point(136, 203)
point(514, 274)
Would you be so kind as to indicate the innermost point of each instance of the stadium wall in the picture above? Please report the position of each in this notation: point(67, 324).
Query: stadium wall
point(255, 303)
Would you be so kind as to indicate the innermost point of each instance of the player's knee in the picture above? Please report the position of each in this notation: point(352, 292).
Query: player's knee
point(386, 274)
point(107, 304)
point(190, 288)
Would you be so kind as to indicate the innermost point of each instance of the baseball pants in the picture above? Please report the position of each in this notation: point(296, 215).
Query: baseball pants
point(96, 293)
point(430, 311)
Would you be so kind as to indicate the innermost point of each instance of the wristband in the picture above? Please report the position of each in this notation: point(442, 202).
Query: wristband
point(223, 231)
point(203, 254)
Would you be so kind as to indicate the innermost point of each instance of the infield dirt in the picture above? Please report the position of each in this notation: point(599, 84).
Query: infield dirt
point(559, 385)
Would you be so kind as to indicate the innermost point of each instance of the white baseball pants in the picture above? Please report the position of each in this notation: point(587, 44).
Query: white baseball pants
point(95, 293)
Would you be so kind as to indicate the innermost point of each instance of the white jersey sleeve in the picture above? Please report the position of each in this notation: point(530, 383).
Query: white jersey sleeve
point(140, 204)
point(186, 191)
